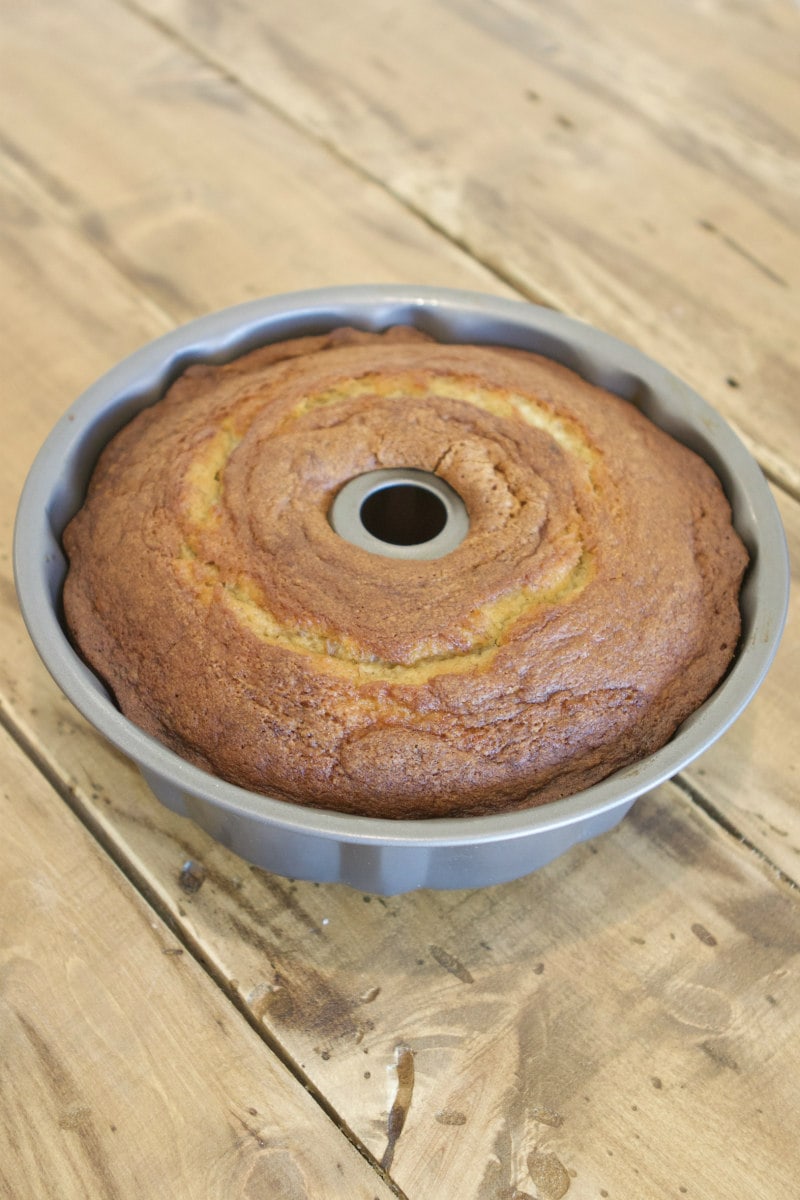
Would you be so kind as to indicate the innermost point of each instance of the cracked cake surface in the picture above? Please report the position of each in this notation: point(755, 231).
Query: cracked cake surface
point(591, 607)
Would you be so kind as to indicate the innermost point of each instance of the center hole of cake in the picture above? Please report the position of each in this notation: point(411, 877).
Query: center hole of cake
point(400, 512)
point(403, 514)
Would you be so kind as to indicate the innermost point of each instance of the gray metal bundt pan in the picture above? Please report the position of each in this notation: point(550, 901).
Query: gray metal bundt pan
point(384, 856)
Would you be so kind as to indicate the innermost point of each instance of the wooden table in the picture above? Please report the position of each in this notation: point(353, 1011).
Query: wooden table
point(624, 1023)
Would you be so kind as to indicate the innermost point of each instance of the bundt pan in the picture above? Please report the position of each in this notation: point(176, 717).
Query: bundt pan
point(385, 856)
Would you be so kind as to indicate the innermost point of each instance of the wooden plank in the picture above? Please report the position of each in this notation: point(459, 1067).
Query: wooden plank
point(96, 306)
point(637, 166)
point(752, 774)
point(197, 193)
point(621, 1020)
point(124, 1071)
point(516, 1002)
point(92, 314)
point(654, 972)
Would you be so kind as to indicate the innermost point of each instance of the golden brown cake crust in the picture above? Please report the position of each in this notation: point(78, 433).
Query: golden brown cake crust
point(592, 606)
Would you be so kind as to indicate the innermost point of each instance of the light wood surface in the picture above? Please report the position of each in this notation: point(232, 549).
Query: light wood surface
point(634, 164)
point(125, 1071)
point(624, 1023)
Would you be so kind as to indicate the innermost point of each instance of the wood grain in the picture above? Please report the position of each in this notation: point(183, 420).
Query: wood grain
point(606, 1021)
point(125, 1073)
point(95, 306)
point(638, 166)
point(622, 1023)
point(195, 192)
point(752, 775)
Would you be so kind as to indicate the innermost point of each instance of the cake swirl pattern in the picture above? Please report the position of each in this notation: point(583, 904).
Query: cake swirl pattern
point(591, 607)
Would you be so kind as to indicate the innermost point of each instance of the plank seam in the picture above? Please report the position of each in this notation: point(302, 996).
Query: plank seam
point(698, 798)
point(224, 72)
point(779, 471)
point(69, 793)
point(146, 287)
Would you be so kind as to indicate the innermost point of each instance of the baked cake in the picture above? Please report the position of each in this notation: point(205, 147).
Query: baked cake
point(592, 606)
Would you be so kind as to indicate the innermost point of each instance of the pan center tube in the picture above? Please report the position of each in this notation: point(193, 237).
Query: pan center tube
point(400, 512)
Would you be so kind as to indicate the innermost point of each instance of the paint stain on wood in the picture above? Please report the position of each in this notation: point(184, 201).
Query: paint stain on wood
point(548, 1116)
point(770, 920)
point(549, 1174)
point(285, 893)
point(719, 1055)
point(404, 1069)
point(682, 841)
point(450, 963)
point(704, 936)
point(308, 1001)
point(450, 1116)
